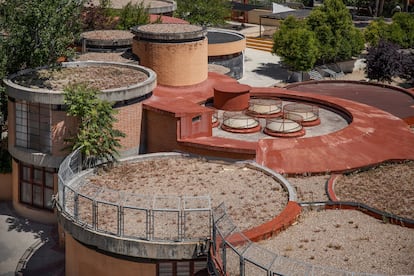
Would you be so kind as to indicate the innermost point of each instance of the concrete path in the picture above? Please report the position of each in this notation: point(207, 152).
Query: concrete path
point(262, 69)
point(28, 247)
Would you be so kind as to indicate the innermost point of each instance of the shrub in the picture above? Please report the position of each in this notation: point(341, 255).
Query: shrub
point(38, 31)
point(408, 66)
point(98, 17)
point(132, 15)
point(96, 137)
point(296, 45)
point(204, 12)
point(400, 31)
point(383, 61)
point(405, 23)
point(337, 36)
point(375, 31)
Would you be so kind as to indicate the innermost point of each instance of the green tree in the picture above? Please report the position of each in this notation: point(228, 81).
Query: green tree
point(35, 33)
point(338, 38)
point(38, 32)
point(132, 15)
point(400, 31)
point(405, 22)
point(296, 45)
point(96, 136)
point(376, 31)
point(203, 12)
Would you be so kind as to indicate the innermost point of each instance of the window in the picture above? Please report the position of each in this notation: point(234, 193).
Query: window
point(36, 185)
point(33, 126)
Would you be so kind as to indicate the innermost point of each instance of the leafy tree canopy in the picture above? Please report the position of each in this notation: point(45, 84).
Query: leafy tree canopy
point(96, 137)
point(203, 12)
point(133, 15)
point(334, 36)
point(38, 32)
point(104, 17)
point(400, 31)
point(296, 45)
point(35, 33)
point(338, 38)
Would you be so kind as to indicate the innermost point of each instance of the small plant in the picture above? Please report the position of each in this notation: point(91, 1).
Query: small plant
point(96, 137)
point(383, 61)
point(132, 15)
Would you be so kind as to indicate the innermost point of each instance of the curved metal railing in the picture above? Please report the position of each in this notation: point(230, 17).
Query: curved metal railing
point(123, 214)
point(238, 255)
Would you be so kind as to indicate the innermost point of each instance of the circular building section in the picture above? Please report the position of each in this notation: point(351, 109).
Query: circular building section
point(39, 126)
point(176, 52)
point(156, 208)
point(226, 48)
point(106, 41)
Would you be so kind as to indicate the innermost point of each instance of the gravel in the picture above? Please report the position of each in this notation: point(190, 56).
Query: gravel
point(347, 240)
point(251, 196)
point(100, 77)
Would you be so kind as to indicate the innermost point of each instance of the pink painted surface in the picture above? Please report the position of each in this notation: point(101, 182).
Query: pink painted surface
point(372, 137)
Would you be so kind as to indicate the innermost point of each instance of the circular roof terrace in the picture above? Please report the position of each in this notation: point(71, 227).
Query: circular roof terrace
point(117, 81)
point(148, 204)
point(170, 32)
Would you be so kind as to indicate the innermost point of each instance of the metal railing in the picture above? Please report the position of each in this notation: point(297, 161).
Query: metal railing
point(129, 215)
point(239, 256)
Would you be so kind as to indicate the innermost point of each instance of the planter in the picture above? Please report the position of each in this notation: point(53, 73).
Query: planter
point(347, 66)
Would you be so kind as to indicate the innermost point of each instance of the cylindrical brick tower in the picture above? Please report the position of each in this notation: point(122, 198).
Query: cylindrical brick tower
point(176, 52)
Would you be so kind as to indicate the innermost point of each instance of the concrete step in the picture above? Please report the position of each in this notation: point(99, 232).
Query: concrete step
point(259, 44)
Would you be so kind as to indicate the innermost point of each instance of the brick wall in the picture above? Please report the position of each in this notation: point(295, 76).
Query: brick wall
point(62, 127)
point(129, 122)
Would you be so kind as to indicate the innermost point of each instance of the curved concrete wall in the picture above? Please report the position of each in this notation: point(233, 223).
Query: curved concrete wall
point(47, 96)
point(176, 64)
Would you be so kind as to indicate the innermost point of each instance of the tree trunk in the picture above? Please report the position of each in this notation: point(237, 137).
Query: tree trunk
point(405, 5)
point(381, 7)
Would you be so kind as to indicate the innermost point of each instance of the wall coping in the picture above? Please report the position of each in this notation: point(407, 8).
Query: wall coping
point(46, 96)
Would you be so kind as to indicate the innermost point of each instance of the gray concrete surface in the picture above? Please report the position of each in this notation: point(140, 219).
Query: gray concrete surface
point(28, 247)
point(262, 69)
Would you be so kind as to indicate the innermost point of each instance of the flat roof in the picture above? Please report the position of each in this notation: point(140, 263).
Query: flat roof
point(300, 13)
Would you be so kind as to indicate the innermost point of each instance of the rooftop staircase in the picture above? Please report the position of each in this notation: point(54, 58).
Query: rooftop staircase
point(259, 44)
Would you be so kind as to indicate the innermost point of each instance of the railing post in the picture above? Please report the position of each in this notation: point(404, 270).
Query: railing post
point(120, 221)
point(94, 215)
point(75, 206)
point(214, 239)
point(150, 225)
point(241, 265)
point(223, 256)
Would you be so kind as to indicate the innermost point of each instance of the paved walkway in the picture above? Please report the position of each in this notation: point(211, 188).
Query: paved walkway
point(28, 247)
